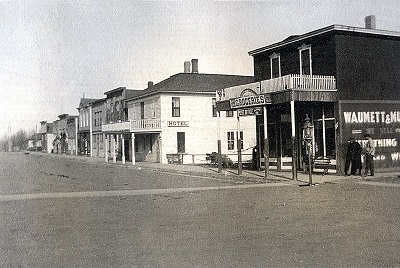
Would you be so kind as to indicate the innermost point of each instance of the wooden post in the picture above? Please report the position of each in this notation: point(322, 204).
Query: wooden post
point(266, 144)
point(239, 147)
point(106, 147)
point(133, 148)
point(294, 151)
point(123, 148)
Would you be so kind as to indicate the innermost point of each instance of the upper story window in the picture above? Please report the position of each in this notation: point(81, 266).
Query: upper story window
point(176, 107)
point(305, 60)
point(275, 63)
point(142, 110)
point(214, 107)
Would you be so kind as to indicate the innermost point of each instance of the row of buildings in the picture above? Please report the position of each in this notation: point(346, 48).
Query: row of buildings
point(345, 79)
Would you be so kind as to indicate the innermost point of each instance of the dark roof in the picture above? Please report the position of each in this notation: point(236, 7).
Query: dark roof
point(332, 28)
point(194, 83)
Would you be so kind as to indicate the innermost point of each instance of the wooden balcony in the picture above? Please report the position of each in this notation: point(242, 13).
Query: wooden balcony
point(298, 82)
point(293, 82)
point(141, 125)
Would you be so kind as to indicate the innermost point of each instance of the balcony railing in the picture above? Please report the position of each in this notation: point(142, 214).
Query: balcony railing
point(132, 125)
point(296, 81)
point(287, 82)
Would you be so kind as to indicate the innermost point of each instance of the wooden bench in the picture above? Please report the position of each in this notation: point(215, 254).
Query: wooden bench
point(322, 163)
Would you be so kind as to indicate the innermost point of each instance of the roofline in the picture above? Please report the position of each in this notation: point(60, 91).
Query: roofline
point(322, 31)
point(169, 92)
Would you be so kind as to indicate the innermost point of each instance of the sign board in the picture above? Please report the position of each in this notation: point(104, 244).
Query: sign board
point(381, 120)
point(250, 101)
point(249, 111)
point(178, 123)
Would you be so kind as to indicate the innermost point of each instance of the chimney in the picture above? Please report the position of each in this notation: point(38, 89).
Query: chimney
point(370, 22)
point(187, 67)
point(150, 84)
point(195, 66)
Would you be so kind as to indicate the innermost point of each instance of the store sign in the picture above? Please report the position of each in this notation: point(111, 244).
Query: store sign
point(250, 101)
point(177, 123)
point(249, 111)
point(379, 119)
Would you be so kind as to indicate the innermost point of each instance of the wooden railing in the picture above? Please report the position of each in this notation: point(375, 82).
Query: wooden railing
point(296, 81)
point(132, 125)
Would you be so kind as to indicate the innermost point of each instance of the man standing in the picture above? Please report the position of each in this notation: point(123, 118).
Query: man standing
point(369, 155)
point(353, 158)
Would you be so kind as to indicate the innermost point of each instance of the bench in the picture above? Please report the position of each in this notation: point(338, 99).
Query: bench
point(322, 163)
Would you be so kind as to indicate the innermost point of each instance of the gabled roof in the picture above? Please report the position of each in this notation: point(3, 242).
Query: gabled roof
point(194, 83)
point(341, 28)
point(85, 102)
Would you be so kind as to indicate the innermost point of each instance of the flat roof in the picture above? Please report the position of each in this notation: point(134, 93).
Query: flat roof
point(343, 28)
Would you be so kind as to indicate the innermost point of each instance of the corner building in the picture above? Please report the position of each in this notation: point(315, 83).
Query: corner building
point(346, 79)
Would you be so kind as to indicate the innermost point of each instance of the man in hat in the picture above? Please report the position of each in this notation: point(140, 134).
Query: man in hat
point(369, 155)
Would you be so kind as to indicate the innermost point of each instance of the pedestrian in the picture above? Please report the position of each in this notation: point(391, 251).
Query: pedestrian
point(369, 155)
point(353, 158)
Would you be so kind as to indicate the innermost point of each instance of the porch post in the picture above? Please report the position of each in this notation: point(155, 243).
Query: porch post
point(123, 148)
point(294, 151)
point(133, 148)
point(113, 148)
point(219, 144)
point(266, 143)
point(106, 147)
point(239, 146)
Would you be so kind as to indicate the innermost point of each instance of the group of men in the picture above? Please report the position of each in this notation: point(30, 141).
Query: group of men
point(353, 157)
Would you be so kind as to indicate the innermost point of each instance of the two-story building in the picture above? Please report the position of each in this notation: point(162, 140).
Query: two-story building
point(65, 134)
point(85, 123)
point(345, 79)
point(47, 136)
point(176, 120)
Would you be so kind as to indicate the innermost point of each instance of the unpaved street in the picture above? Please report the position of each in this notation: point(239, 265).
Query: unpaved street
point(58, 212)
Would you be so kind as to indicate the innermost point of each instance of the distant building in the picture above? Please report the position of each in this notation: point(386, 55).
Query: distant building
point(346, 79)
point(47, 136)
point(65, 134)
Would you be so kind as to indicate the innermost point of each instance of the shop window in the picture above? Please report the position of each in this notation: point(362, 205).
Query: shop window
point(241, 139)
point(176, 107)
point(231, 140)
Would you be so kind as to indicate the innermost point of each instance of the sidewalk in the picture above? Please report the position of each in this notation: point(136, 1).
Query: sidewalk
point(248, 176)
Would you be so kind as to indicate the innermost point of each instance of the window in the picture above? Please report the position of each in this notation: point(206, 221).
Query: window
point(305, 60)
point(142, 110)
point(241, 139)
point(275, 62)
point(181, 142)
point(231, 140)
point(153, 110)
point(176, 107)
point(214, 107)
point(229, 113)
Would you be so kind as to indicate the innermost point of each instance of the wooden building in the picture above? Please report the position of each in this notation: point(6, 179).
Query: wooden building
point(345, 79)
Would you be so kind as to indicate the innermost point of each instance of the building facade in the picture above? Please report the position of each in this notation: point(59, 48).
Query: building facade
point(175, 121)
point(345, 79)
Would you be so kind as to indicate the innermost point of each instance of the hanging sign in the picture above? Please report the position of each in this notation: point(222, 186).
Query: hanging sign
point(250, 101)
point(249, 111)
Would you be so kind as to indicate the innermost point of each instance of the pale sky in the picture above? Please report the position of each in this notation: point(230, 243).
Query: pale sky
point(52, 53)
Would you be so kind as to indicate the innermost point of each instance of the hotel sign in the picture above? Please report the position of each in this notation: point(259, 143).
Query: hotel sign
point(178, 123)
point(250, 101)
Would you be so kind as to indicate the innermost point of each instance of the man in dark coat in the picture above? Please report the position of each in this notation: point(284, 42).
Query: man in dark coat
point(353, 158)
